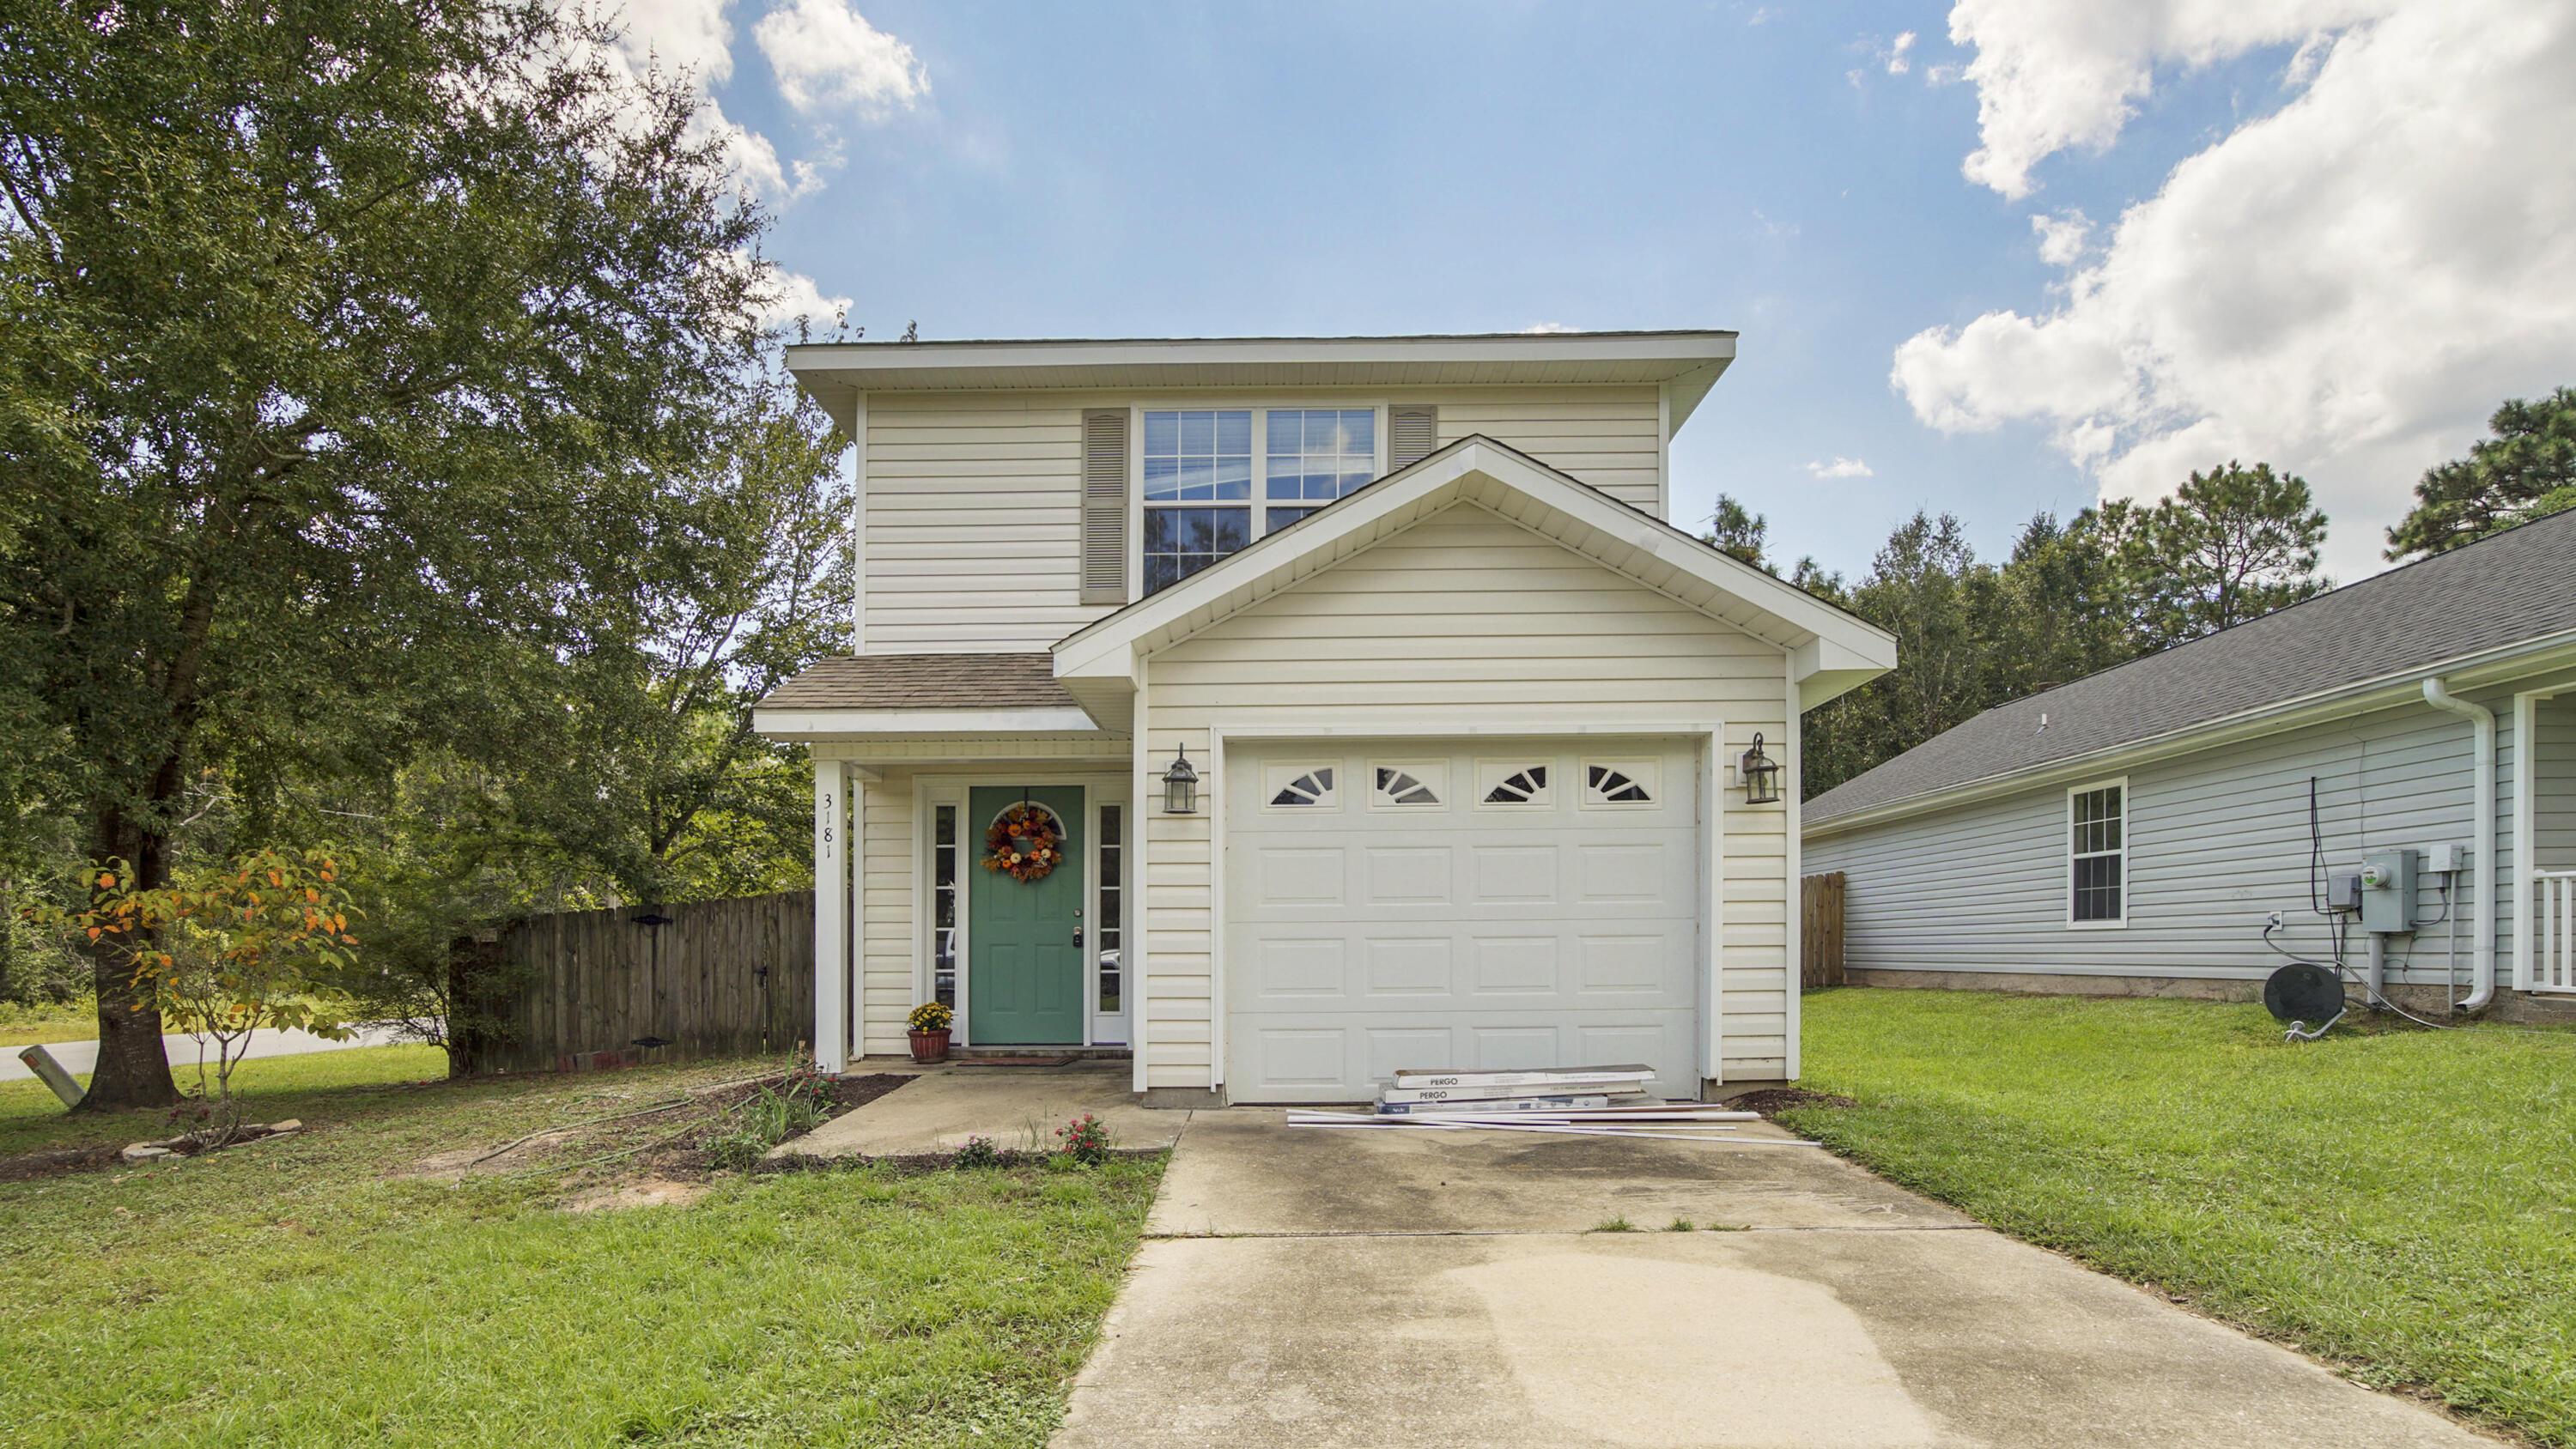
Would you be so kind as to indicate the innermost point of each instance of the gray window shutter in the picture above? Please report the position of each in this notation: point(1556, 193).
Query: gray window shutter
point(1104, 506)
point(1412, 433)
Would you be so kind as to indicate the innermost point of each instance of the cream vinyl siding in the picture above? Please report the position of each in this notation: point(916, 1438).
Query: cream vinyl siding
point(886, 990)
point(2217, 840)
point(973, 532)
point(1465, 621)
point(1610, 437)
point(972, 529)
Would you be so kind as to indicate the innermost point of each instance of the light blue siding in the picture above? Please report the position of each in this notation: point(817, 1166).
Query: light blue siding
point(2218, 840)
point(2553, 817)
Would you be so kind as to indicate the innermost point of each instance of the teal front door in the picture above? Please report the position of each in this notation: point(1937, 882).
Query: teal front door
point(1024, 938)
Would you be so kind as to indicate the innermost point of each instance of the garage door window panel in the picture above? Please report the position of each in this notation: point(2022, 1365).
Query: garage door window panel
point(1408, 784)
point(1513, 785)
point(1301, 787)
point(1621, 784)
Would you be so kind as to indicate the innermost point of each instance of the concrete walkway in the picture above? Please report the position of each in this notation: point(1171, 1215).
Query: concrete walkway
point(78, 1057)
point(1305, 1287)
point(1018, 1107)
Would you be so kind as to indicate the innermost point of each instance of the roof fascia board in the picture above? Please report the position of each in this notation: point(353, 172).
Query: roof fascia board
point(2466, 672)
point(1107, 646)
point(1709, 347)
point(838, 723)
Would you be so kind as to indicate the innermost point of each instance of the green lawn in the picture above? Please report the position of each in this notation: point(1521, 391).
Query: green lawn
point(2403, 1203)
point(293, 1292)
point(48, 1022)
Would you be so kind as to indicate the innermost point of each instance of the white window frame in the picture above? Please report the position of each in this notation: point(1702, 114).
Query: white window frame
point(1258, 503)
point(2066, 870)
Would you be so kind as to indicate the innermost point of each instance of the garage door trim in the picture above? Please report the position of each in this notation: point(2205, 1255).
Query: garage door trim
point(1708, 736)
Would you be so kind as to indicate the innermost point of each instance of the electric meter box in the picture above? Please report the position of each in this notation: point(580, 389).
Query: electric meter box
point(2388, 892)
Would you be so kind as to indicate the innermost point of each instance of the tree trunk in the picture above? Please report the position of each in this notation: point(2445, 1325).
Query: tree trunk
point(132, 1070)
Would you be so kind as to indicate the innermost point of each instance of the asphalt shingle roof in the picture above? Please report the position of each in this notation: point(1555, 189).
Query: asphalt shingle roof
point(2499, 591)
point(925, 681)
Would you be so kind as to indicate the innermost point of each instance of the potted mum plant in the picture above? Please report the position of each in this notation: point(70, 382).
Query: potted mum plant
point(930, 1022)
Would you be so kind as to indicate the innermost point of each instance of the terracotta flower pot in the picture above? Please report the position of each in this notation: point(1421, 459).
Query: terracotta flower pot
point(929, 1046)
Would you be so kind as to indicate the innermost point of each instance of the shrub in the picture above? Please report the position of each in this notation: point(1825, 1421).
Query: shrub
point(980, 1151)
point(738, 1151)
point(1085, 1140)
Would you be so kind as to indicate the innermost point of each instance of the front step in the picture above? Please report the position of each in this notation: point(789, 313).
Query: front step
point(1078, 1053)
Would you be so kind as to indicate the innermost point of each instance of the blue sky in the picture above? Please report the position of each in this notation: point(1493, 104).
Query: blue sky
point(1133, 170)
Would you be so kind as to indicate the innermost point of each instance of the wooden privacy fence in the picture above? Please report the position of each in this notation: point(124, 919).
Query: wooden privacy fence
point(1820, 930)
point(641, 984)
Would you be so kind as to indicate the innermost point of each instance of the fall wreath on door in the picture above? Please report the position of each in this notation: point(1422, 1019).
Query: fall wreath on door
point(1024, 842)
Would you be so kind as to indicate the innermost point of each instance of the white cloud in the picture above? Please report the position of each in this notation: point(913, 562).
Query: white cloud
point(2063, 237)
point(2054, 74)
point(793, 295)
point(1550, 327)
point(1897, 61)
point(1841, 468)
point(754, 159)
point(2344, 288)
point(695, 38)
point(689, 35)
point(826, 54)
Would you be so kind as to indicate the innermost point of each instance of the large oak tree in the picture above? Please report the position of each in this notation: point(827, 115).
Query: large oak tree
point(344, 349)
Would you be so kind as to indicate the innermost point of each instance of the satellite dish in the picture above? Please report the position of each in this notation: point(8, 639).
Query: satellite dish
point(2303, 992)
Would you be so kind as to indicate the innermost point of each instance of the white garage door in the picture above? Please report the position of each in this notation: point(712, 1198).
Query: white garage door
point(1476, 906)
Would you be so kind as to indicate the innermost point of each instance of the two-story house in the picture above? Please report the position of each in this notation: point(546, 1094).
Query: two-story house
point(1469, 719)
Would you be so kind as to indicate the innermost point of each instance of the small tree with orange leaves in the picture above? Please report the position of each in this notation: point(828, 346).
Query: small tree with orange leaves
point(228, 949)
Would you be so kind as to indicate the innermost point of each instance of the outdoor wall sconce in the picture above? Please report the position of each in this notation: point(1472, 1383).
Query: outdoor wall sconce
point(1761, 775)
point(1181, 786)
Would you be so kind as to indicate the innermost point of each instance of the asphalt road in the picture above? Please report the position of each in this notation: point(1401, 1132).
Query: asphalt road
point(78, 1057)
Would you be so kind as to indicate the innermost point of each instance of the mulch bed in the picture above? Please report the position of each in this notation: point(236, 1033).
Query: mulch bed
point(1772, 1101)
point(685, 1159)
point(851, 1092)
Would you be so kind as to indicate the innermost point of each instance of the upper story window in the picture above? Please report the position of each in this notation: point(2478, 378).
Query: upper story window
point(1198, 471)
point(1315, 456)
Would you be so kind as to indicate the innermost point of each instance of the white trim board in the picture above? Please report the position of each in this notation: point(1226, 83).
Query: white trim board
point(818, 723)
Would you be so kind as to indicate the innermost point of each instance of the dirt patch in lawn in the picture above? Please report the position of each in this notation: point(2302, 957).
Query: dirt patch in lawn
point(1772, 1101)
point(663, 1141)
point(58, 1161)
point(648, 1192)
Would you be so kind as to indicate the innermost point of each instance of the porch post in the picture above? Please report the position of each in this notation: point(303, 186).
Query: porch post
point(2526, 726)
point(832, 856)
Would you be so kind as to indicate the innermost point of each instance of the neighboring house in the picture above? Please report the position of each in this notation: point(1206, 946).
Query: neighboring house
point(1462, 706)
point(2134, 831)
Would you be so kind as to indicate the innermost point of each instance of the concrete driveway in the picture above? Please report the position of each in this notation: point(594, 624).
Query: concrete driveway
point(1318, 1287)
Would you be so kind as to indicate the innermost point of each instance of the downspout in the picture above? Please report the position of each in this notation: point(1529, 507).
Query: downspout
point(2482, 726)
